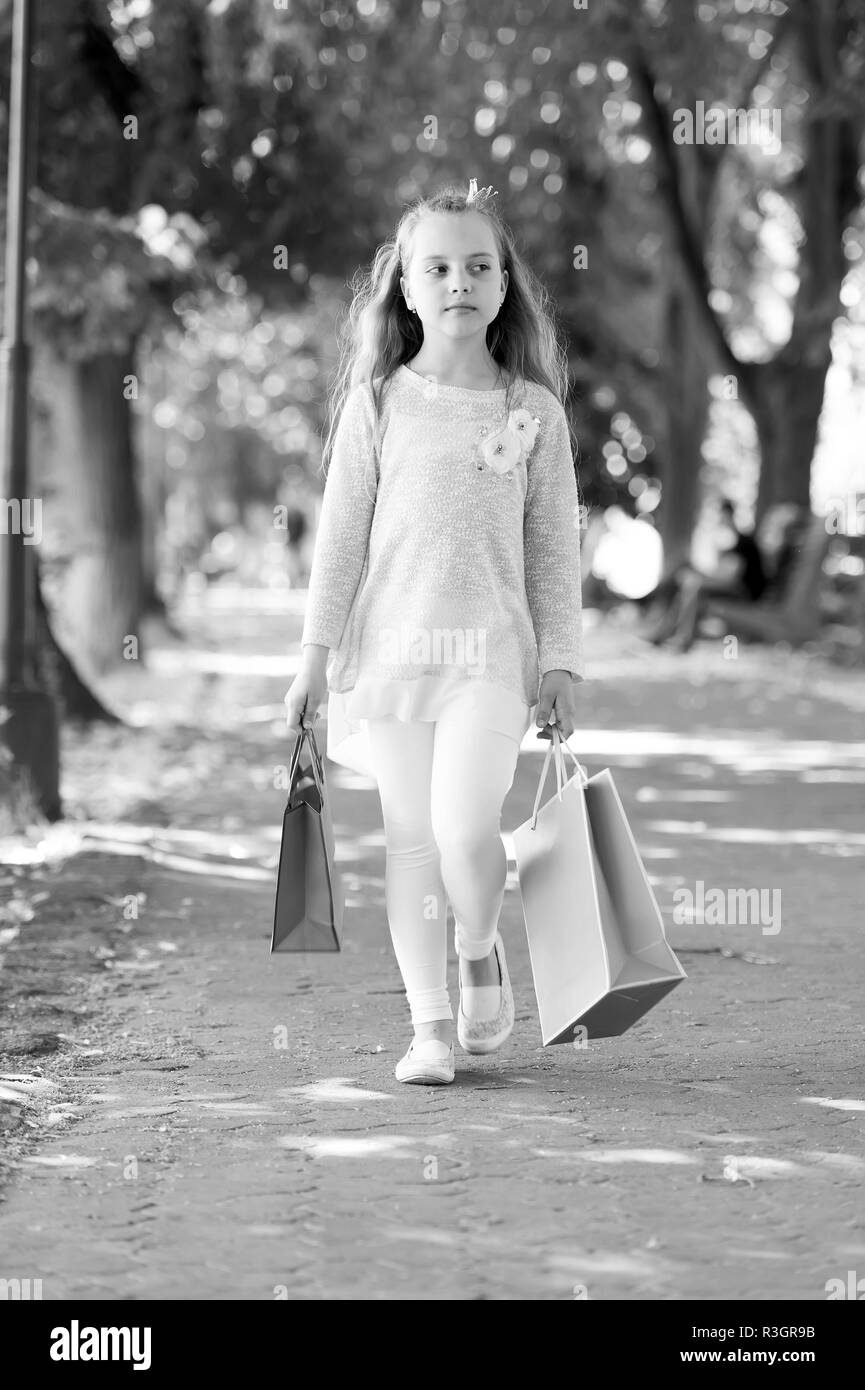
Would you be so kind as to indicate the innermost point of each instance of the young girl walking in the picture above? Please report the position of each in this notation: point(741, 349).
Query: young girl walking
point(444, 600)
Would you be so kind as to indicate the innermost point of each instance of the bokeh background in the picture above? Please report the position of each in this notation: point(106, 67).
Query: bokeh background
point(209, 176)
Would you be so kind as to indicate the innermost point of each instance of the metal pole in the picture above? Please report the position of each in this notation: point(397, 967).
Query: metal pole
point(29, 729)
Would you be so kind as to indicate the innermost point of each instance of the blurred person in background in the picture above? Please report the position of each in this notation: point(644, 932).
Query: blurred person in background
point(781, 536)
point(739, 574)
point(296, 527)
point(777, 546)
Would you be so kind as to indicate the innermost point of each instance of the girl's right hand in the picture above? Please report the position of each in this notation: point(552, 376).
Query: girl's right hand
point(304, 696)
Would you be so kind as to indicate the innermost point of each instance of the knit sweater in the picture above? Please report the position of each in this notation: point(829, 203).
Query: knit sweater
point(455, 556)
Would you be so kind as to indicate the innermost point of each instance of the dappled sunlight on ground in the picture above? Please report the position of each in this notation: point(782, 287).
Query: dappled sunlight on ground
point(712, 1150)
point(757, 834)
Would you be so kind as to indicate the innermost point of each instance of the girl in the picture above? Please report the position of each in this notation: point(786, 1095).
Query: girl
point(444, 598)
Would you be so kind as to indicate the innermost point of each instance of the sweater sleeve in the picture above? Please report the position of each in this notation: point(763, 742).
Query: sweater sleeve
point(344, 524)
point(551, 547)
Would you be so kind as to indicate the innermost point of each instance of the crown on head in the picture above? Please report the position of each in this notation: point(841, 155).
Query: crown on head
point(477, 197)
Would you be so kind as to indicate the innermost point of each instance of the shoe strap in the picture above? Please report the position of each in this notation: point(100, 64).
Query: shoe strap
point(425, 1044)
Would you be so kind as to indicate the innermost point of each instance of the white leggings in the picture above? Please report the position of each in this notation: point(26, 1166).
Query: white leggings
point(442, 785)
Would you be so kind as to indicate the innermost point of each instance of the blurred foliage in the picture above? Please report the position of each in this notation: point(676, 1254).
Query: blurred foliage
point(232, 399)
point(96, 281)
point(306, 125)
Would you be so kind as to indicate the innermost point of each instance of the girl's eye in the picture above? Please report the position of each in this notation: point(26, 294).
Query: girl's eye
point(480, 265)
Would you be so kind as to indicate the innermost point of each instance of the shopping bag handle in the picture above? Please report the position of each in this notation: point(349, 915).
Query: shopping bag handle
point(557, 743)
point(307, 733)
point(565, 747)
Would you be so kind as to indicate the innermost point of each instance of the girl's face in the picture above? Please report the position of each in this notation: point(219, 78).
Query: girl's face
point(455, 281)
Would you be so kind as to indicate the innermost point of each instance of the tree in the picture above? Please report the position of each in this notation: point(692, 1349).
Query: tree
point(94, 285)
point(817, 55)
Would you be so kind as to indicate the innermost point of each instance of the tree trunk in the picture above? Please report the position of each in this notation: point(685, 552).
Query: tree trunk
point(689, 362)
point(785, 395)
point(688, 413)
point(786, 399)
point(59, 677)
point(152, 502)
point(101, 600)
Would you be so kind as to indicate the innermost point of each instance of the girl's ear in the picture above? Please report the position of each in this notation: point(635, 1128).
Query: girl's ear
point(505, 278)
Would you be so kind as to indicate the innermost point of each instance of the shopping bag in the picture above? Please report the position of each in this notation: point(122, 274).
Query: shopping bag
point(310, 896)
point(599, 955)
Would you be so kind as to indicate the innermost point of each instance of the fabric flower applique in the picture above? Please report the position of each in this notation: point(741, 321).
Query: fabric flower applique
point(504, 448)
point(526, 427)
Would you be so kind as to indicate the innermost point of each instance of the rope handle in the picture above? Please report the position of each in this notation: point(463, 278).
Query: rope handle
point(557, 744)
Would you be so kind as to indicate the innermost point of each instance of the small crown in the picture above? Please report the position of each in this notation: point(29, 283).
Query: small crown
point(479, 196)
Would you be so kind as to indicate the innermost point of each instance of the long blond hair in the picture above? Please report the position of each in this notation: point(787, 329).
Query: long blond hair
point(378, 334)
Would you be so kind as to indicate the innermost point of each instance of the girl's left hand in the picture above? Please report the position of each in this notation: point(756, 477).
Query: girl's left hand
point(556, 697)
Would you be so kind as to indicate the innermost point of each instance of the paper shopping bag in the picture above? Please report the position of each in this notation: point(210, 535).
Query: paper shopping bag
point(599, 955)
point(310, 897)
